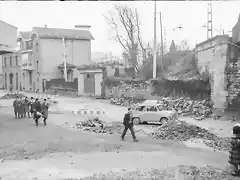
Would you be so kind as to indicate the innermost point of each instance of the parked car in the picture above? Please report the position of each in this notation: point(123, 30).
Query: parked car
point(153, 111)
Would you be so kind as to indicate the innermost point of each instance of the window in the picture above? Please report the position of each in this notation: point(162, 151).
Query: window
point(28, 45)
point(36, 47)
point(153, 108)
point(5, 62)
point(16, 61)
point(140, 108)
point(10, 61)
point(30, 77)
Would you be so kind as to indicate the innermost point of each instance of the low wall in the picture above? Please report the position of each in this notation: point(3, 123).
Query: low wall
point(196, 90)
point(61, 84)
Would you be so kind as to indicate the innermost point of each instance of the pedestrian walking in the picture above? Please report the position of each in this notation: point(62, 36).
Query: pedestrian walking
point(37, 111)
point(45, 107)
point(21, 108)
point(26, 107)
point(16, 104)
point(128, 124)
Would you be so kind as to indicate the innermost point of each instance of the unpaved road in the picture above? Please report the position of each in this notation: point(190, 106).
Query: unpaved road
point(57, 152)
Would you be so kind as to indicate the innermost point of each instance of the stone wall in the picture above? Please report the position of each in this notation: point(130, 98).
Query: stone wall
point(233, 78)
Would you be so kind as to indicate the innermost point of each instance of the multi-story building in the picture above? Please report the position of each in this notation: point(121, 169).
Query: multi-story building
point(43, 51)
point(11, 68)
point(8, 36)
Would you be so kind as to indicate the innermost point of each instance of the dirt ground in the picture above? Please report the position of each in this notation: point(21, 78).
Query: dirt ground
point(59, 151)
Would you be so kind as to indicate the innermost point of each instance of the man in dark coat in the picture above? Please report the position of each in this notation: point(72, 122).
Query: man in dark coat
point(128, 123)
point(21, 108)
point(32, 106)
point(16, 104)
point(37, 111)
point(26, 107)
point(234, 157)
point(45, 107)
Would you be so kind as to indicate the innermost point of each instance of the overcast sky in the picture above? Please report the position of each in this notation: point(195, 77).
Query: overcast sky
point(55, 14)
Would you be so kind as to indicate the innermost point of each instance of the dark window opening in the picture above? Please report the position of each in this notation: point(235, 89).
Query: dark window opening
point(16, 61)
point(5, 62)
point(30, 78)
point(10, 61)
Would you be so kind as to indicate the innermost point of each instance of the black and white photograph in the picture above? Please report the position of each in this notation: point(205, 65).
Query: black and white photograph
point(120, 90)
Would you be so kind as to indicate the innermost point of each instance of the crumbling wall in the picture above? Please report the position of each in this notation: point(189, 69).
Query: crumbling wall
point(218, 75)
point(233, 78)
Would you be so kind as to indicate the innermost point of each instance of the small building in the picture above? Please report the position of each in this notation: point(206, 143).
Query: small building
point(90, 80)
point(8, 36)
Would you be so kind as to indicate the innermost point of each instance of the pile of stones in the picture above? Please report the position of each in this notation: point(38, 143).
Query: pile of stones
point(182, 131)
point(203, 173)
point(95, 125)
point(13, 95)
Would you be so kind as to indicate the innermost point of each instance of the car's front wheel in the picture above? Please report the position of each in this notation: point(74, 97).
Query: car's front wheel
point(163, 120)
point(136, 121)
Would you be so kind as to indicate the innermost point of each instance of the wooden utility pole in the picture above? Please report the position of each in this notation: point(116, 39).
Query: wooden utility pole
point(154, 42)
point(161, 42)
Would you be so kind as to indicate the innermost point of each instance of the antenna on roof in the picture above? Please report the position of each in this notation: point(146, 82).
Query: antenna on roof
point(84, 27)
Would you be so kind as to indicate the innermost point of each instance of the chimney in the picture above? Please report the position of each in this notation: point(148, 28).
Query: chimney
point(83, 27)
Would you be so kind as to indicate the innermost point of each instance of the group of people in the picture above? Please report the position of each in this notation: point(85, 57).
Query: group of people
point(31, 108)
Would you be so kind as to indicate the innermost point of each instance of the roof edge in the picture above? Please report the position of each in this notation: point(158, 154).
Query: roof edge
point(9, 24)
point(211, 39)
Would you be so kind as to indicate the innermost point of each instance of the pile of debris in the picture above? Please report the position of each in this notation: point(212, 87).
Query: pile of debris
point(13, 95)
point(182, 131)
point(186, 107)
point(204, 173)
point(198, 109)
point(95, 125)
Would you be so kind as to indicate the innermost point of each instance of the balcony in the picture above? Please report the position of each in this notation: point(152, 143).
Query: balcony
point(27, 61)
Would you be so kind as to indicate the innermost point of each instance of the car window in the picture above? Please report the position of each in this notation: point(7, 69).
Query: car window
point(140, 108)
point(153, 108)
point(146, 108)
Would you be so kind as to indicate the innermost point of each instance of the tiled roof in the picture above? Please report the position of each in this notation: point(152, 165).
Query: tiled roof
point(63, 33)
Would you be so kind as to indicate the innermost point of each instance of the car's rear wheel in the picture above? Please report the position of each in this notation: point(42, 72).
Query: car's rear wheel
point(163, 120)
point(136, 121)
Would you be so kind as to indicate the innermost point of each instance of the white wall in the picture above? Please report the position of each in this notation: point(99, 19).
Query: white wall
point(81, 84)
point(8, 34)
point(98, 87)
point(51, 54)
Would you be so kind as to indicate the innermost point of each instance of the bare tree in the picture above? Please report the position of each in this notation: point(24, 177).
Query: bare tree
point(126, 26)
point(183, 46)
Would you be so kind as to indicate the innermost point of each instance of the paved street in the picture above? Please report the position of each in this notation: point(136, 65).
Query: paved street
point(57, 151)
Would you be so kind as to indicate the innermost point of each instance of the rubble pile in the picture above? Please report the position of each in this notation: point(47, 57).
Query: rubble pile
point(198, 109)
point(95, 125)
point(13, 95)
point(182, 131)
point(128, 93)
point(162, 174)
